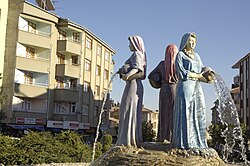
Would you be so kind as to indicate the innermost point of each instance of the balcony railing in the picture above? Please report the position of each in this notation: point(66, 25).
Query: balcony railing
point(66, 95)
point(30, 91)
point(34, 39)
point(36, 65)
point(70, 46)
point(67, 70)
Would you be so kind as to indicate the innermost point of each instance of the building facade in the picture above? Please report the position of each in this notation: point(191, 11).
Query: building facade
point(55, 72)
point(150, 116)
point(235, 93)
point(244, 88)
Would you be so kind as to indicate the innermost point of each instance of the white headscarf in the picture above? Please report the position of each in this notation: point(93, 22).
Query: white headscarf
point(139, 46)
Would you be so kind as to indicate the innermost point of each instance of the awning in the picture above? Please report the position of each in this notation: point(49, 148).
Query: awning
point(23, 127)
point(58, 130)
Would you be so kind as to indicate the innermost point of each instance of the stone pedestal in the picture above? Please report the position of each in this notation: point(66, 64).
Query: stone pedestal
point(159, 154)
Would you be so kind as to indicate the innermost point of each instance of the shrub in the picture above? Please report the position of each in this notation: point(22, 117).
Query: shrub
point(43, 147)
point(107, 142)
point(148, 133)
point(98, 150)
point(9, 155)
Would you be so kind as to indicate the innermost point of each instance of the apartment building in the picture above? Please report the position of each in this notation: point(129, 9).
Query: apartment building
point(3, 21)
point(149, 115)
point(244, 88)
point(235, 93)
point(55, 71)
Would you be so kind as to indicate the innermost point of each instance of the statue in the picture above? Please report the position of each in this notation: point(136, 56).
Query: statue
point(189, 110)
point(130, 115)
point(165, 78)
point(188, 115)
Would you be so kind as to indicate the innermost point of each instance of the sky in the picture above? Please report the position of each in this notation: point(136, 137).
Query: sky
point(222, 28)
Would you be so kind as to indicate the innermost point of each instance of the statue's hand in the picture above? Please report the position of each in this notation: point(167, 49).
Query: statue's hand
point(210, 82)
point(124, 76)
point(195, 75)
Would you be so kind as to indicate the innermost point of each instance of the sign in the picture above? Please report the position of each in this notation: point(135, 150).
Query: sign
point(84, 126)
point(68, 125)
point(29, 121)
point(22, 120)
point(55, 124)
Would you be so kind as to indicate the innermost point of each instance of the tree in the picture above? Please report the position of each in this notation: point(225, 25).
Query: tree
point(148, 133)
point(215, 132)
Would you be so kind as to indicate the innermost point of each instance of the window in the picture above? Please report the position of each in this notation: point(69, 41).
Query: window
point(62, 35)
point(72, 107)
point(59, 83)
point(60, 58)
point(107, 55)
point(31, 27)
point(106, 74)
point(26, 104)
point(73, 84)
point(30, 52)
point(76, 37)
point(87, 65)
point(28, 78)
point(97, 90)
point(58, 107)
point(74, 60)
point(98, 70)
point(85, 110)
point(86, 86)
point(99, 50)
point(88, 43)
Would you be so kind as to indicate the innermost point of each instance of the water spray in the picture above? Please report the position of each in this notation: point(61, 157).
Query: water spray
point(105, 94)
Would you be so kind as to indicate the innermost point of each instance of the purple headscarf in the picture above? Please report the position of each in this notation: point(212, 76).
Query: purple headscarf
point(170, 56)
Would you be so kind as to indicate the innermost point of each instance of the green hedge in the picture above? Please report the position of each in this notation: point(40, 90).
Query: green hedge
point(43, 147)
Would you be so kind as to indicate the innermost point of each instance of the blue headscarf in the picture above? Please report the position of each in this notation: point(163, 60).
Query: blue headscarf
point(184, 40)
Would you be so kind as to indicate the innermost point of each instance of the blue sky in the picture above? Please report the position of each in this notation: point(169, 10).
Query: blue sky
point(222, 28)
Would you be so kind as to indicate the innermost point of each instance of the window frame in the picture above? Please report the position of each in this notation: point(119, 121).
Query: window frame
point(87, 65)
point(88, 43)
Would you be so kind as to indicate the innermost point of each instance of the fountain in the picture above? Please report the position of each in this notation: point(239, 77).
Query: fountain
point(229, 117)
point(189, 146)
point(162, 153)
point(100, 116)
point(155, 153)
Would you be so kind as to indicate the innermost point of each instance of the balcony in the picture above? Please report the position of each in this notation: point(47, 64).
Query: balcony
point(63, 70)
point(30, 10)
point(34, 39)
point(35, 65)
point(69, 46)
point(66, 95)
point(30, 91)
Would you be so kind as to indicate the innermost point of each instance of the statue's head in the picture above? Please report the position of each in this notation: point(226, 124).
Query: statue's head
point(188, 41)
point(136, 44)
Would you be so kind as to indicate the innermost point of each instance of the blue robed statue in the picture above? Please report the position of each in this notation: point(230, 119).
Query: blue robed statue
point(189, 118)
